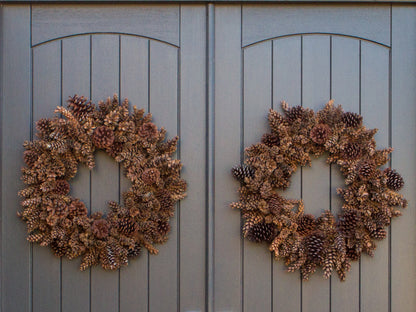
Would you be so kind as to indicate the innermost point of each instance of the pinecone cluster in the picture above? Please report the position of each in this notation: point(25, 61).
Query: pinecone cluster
point(301, 240)
point(56, 219)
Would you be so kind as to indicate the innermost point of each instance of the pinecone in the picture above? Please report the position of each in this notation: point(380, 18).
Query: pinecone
point(294, 113)
point(150, 176)
point(115, 149)
point(348, 223)
point(44, 127)
point(77, 208)
point(163, 227)
point(261, 232)
point(148, 130)
point(379, 233)
point(353, 254)
point(60, 207)
point(394, 180)
point(30, 157)
point(103, 137)
point(315, 245)
point(100, 228)
point(59, 250)
point(270, 139)
point(80, 107)
point(320, 133)
point(134, 252)
point(351, 151)
point(365, 169)
point(351, 120)
point(62, 187)
point(165, 201)
point(276, 203)
point(126, 226)
point(240, 172)
point(306, 224)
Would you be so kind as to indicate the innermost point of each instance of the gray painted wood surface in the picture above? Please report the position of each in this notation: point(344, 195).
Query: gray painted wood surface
point(156, 55)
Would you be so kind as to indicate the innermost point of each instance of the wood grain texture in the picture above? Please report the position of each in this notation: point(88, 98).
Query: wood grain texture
point(154, 21)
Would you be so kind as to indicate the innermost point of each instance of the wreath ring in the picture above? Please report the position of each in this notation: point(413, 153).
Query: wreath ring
point(301, 240)
point(56, 219)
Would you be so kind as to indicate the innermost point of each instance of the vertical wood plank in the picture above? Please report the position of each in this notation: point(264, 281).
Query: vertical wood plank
point(15, 110)
point(163, 268)
point(257, 101)
point(134, 86)
point(228, 279)
point(192, 153)
point(105, 175)
point(76, 80)
point(316, 179)
point(287, 73)
point(375, 111)
point(345, 89)
point(403, 230)
point(46, 97)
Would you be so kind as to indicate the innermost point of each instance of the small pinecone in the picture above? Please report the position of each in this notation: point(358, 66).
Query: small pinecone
point(115, 149)
point(30, 157)
point(163, 227)
point(320, 133)
point(44, 127)
point(261, 232)
point(315, 246)
point(276, 204)
point(306, 224)
point(379, 233)
point(352, 254)
point(62, 187)
point(134, 252)
point(294, 113)
point(270, 139)
point(351, 151)
point(351, 120)
point(61, 207)
point(348, 223)
point(394, 180)
point(240, 172)
point(100, 228)
point(80, 107)
point(126, 226)
point(148, 130)
point(165, 201)
point(365, 169)
point(150, 176)
point(58, 250)
point(77, 208)
point(103, 137)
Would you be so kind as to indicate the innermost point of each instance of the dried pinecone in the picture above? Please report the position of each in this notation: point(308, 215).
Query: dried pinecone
point(351, 150)
point(348, 223)
point(148, 130)
point(294, 113)
point(44, 127)
point(103, 137)
point(353, 254)
point(30, 157)
point(270, 139)
point(100, 228)
point(241, 172)
point(80, 107)
point(62, 187)
point(261, 232)
point(379, 233)
point(394, 180)
point(351, 120)
point(320, 133)
point(315, 246)
point(165, 201)
point(150, 176)
point(134, 252)
point(365, 168)
point(77, 208)
point(306, 224)
point(163, 227)
point(115, 149)
point(127, 226)
point(59, 250)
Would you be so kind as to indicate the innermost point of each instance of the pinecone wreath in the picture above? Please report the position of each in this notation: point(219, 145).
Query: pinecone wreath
point(56, 219)
point(370, 196)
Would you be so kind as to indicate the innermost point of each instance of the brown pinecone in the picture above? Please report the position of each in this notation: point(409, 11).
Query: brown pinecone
point(77, 208)
point(60, 207)
point(100, 228)
point(394, 180)
point(294, 113)
point(148, 130)
point(320, 133)
point(62, 187)
point(314, 244)
point(351, 120)
point(261, 232)
point(103, 137)
point(80, 107)
point(134, 252)
point(150, 176)
point(353, 254)
point(30, 157)
point(165, 201)
point(58, 249)
point(44, 127)
point(241, 172)
point(163, 227)
point(351, 150)
point(270, 139)
point(348, 223)
point(306, 224)
point(276, 204)
point(127, 226)
point(378, 233)
point(365, 169)
point(115, 149)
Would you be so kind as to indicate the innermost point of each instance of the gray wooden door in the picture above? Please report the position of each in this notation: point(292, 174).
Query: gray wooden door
point(208, 73)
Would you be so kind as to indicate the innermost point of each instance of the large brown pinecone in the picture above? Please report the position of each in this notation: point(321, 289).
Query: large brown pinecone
point(351, 151)
point(378, 233)
point(365, 169)
point(261, 232)
point(270, 139)
point(394, 180)
point(59, 250)
point(100, 228)
point(77, 208)
point(320, 133)
point(348, 223)
point(80, 106)
point(103, 137)
point(351, 120)
point(62, 187)
point(44, 127)
point(295, 112)
point(306, 224)
point(353, 254)
point(163, 227)
point(314, 244)
point(30, 157)
point(150, 176)
point(127, 226)
point(241, 172)
point(135, 251)
point(148, 130)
